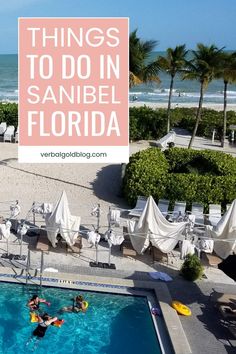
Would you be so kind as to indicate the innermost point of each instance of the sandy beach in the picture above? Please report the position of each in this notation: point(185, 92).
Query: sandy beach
point(85, 185)
point(215, 106)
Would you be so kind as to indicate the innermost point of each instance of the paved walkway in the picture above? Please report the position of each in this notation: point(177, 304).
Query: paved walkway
point(183, 138)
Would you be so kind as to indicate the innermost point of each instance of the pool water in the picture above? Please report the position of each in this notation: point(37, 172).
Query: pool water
point(113, 324)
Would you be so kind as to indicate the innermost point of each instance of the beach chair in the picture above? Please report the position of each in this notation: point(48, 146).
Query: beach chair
point(3, 128)
point(214, 214)
point(163, 205)
point(197, 211)
point(179, 209)
point(17, 135)
point(164, 142)
point(139, 207)
point(9, 133)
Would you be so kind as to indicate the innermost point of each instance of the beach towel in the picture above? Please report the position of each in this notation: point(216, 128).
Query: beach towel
point(186, 248)
point(5, 230)
point(22, 230)
point(93, 237)
point(114, 217)
point(15, 211)
point(113, 238)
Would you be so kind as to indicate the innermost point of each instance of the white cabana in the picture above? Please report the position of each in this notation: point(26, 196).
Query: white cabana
point(225, 230)
point(61, 221)
point(153, 227)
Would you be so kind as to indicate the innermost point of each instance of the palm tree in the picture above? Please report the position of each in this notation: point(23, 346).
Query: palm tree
point(139, 53)
point(203, 68)
point(227, 72)
point(173, 63)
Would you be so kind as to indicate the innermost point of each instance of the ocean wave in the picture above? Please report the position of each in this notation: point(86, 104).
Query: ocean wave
point(164, 90)
point(136, 93)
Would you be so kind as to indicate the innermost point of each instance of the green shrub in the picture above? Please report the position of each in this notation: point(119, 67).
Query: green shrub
point(145, 175)
point(181, 174)
point(148, 123)
point(192, 268)
point(9, 113)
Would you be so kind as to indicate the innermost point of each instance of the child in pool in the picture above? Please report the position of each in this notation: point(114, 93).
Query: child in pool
point(78, 305)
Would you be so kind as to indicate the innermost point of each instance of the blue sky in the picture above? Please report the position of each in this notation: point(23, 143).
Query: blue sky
point(171, 22)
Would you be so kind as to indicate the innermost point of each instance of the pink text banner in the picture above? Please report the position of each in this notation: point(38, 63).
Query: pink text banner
point(73, 90)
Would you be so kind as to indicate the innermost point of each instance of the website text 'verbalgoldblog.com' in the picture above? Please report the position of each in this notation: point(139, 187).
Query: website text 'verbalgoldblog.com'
point(74, 154)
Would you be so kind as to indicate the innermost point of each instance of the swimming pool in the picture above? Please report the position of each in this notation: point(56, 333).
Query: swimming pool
point(113, 324)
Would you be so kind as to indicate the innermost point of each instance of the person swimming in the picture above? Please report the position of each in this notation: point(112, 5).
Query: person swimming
point(78, 305)
point(44, 322)
point(35, 301)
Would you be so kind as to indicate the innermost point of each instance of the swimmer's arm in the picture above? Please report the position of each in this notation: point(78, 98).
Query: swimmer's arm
point(42, 300)
point(51, 320)
point(31, 305)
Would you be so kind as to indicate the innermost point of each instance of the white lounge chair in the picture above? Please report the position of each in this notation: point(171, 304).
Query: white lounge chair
point(228, 206)
point(163, 205)
point(9, 133)
point(17, 135)
point(3, 128)
point(197, 210)
point(179, 209)
point(214, 213)
point(165, 140)
point(139, 207)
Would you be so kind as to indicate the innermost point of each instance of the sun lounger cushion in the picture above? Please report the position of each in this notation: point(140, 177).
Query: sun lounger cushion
point(9, 133)
point(3, 127)
point(139, 207)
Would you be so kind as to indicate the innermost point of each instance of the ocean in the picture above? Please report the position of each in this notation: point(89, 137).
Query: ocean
point(184, 91)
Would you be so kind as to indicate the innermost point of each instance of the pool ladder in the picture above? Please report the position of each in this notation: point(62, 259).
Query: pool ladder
point(28, 276)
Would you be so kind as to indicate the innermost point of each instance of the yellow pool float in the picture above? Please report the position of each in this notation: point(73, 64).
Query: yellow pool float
point(34, 317)
point(181, 308)
point(86, 304)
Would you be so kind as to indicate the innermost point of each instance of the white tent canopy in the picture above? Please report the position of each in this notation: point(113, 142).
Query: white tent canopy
point(153, 227)
point(225, 230)
point(61, 221)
